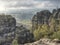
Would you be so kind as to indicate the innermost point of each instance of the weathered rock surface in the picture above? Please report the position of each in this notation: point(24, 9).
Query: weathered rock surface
point(41, 17)
point(7, 28)
point(24, 35)
point(44, 16)
point(9, 31)
point(7, 24)
point(43, 42)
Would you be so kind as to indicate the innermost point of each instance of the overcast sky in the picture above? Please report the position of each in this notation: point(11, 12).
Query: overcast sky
point(17, 6)
point(6, 5)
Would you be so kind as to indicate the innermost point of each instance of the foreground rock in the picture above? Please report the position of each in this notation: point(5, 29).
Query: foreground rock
point(9, 31)
point(24, 35)
point(44, 42)
point(7, 28)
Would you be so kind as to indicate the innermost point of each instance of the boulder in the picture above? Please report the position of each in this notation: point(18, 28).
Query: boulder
point(24, 35)
point(44, 41)
point(7, 28)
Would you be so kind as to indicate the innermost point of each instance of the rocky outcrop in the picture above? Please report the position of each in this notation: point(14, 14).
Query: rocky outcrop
point(7, 24)
point(9, 31)
point(44, 17)
point(41, 17)
point(44, 41)
point(24, 35)
point(7, 28)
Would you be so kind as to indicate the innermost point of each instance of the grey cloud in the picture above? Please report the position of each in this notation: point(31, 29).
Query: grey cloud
point(26, 3)
point(21, 4)
point(52, 1)
point(49, 0)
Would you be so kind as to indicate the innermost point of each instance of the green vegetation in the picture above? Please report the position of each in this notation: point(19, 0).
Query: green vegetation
point(47, 23)
point(27, 23)
point(51, 31)
point(14, 42)
point(42, 31)
point(44, 25)
point(56, 35)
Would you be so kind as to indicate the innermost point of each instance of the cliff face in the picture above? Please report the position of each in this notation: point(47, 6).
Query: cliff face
point(24, 35)
point(7, 28)
point(7, 23)
point(9, 31)
point(43, 17)
point(40, 18)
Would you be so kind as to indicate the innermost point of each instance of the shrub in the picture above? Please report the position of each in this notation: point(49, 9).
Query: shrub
point(14, 42)
point(41, 32)
point(56, 35)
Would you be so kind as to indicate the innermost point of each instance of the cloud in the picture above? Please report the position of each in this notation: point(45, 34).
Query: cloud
point(25, 9)
point(27, 4)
